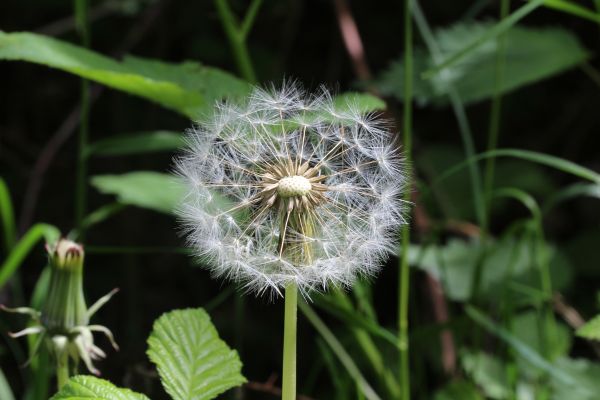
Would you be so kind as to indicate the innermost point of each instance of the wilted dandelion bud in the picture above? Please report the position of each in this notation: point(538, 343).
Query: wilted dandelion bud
point(286, 188)
point(63, 323)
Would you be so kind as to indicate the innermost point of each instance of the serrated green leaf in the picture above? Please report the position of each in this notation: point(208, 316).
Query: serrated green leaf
point(591, 330)
point(146, 189)
point(192, 361)
point(84, 387)
point(189, 88)
point(137, 143)
point(531, 54)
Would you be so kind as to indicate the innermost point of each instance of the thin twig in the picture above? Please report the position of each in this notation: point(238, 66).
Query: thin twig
point(270, 388)
point(352, 40)
point(64, 25)
point(572, 317)
point(440, 311)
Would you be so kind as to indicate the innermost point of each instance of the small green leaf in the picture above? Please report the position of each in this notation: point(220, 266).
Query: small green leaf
point(138, 143)
point(146, 189)
point(193, 362)
point(189, 88)
point(88, 387)
point(531, 54)
point(591, 330)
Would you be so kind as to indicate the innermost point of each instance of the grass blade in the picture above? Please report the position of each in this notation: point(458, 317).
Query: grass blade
point(339, 351)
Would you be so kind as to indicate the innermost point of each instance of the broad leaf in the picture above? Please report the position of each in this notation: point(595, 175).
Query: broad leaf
point(591, 330)
point(189, 88)
point(138, 143)
point(90, 388)
point(193, 362)
point(146, 189)
point(531, 54)
point(586, 375)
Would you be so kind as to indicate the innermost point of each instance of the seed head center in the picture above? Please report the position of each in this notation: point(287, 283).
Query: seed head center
point(292, 186)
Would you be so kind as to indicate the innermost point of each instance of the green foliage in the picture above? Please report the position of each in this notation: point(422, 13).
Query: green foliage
point(147, 189)
point(88, 387)
point(189, 88)
point(193, 363)
point(488, 373)
point(531, 54)
point(591, 330)
point(507, 260)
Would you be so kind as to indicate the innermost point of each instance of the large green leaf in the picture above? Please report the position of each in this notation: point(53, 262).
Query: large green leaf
point(146, 189)
point(531, 54)
point(193, 362)
point(189, 88)
point(90, 388)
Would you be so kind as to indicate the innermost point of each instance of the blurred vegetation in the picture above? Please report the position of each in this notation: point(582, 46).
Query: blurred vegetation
point(504, 152)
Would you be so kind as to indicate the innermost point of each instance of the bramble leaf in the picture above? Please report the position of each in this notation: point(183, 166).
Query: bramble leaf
point(85, 387)
point(193, 362)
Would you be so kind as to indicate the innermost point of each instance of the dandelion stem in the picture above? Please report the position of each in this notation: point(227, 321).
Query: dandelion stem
point(289, 342)
point(404, 273)
point(62, 369)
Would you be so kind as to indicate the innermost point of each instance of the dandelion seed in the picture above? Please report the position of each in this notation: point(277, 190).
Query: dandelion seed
point(287, 189)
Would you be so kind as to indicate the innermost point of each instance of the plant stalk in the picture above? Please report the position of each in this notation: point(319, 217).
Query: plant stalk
point(404, 273)
point(82, 23)
point(289, 342)
point(62, 369)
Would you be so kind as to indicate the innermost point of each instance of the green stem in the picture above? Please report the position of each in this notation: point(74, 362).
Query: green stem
point(237, 34)
point(494, 127)
point(8, 217)
point(62, 369)
point(81, 17)
point(404, 273)
point(289, 342)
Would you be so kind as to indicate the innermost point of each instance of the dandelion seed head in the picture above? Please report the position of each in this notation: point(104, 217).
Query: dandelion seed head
point(288, 188)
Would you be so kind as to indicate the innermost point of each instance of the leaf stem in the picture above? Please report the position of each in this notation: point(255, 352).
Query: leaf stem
point(237, 34)
point(62, 369)
point(496, 109)
point(289, 342)
point(82, 23)
point(404, 273)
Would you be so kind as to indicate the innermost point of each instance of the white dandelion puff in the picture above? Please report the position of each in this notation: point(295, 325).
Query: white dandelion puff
point(287, 189)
